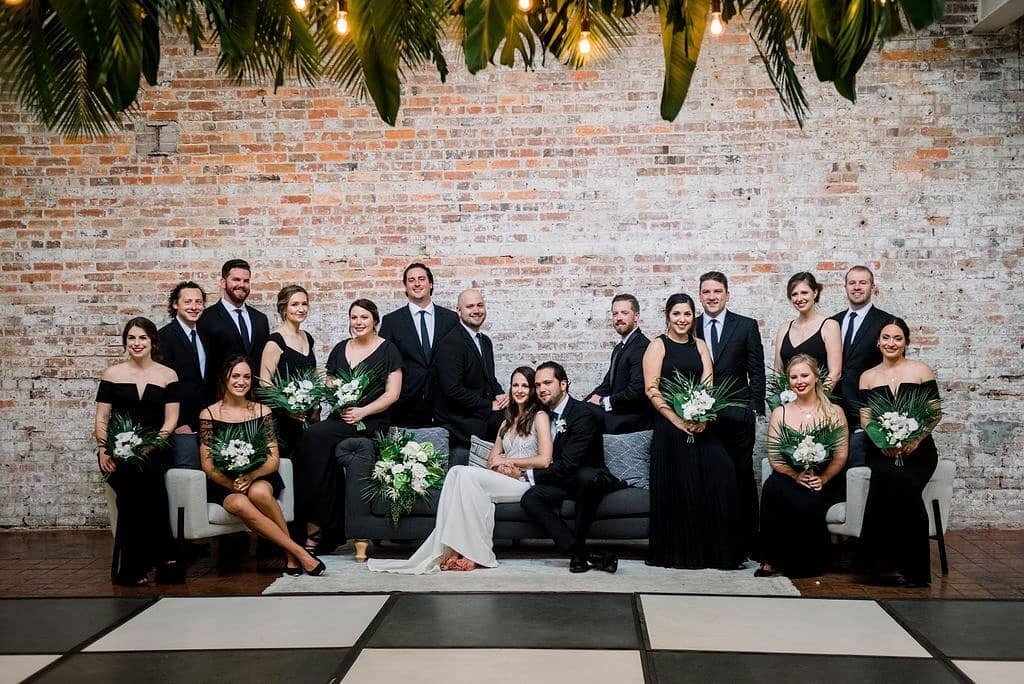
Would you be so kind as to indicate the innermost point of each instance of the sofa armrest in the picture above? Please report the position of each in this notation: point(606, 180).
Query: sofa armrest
point(287, 498)
point(939, 488)
point(187, 489)
point(858, 482)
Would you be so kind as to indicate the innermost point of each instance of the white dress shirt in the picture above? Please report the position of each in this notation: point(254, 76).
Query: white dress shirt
point(199, 344)
point(473, 334)
point(861, 315)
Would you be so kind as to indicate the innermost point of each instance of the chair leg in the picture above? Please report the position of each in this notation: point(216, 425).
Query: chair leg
point(181, 524)
point(361, 546)
point(940, 537)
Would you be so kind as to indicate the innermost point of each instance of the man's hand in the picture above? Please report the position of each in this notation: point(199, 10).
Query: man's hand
point(183, 430)
point(500, 402)
point(595, 399)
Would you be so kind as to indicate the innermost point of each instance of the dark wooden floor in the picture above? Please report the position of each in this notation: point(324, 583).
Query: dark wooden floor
point(982, 564)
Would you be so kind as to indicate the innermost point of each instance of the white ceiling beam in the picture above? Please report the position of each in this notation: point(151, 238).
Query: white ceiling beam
point(994, 15)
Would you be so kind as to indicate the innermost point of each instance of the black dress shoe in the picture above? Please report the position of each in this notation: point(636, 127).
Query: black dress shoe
point(604, 561)
point(578, 564)
point(170, 573)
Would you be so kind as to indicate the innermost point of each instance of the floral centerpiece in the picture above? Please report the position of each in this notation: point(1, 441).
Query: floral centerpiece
point(353, 388)
point(405, 472)
point(697, 401)
point(901, 419)
point(240, 449)
point(130, 443)
point(809, 449)
point(297, 394)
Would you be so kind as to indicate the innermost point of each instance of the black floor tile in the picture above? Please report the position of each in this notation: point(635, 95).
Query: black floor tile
point(189, 667)
point(57, 625)
point(967, 629)
point(508, 620)
point(671, 667)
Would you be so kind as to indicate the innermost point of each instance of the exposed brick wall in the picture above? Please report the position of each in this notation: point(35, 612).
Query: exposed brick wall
point(550, 190)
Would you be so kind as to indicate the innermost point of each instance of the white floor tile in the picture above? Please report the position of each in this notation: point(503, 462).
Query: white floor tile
point(245, 622)
point(495, 666)
point(773, 625)
point(15, 668)
point(991, 671)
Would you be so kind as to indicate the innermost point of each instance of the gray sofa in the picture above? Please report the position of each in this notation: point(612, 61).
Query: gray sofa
point(624, 514)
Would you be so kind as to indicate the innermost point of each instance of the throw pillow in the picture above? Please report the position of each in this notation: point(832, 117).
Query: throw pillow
point(628, 457)
point(479, 449)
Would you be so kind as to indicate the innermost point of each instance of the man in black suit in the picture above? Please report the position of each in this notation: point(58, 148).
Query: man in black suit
point(417, 329)
point(184, 348)
point(577, 472)
point(470, 399)
point(621, 393)
point(859, 326)
point(231, 325)
point(737, 355)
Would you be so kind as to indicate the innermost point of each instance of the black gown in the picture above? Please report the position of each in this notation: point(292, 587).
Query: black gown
point(813, 346)
point(895, 532)
point(208, 429)
point(794, 536)
point(319, 482)
point(143, 538)
point(694, 515)
point(289, 430)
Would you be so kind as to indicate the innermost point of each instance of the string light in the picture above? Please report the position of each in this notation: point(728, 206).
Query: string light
point(717, 27)
point(525, 5)
point(584, 45)
point(13, 3)
point(341, 25)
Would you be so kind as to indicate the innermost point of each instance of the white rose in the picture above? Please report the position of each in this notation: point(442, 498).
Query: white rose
point(411, 450)
point(787, 396)
point(398, 468)
point(418, 470)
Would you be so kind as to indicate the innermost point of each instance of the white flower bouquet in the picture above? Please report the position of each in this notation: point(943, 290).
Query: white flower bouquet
point(896, 421)
point(810, 449)
point(357, 387)
point(240, 449)
point(778, 392)
point(130, 443)
point(697, 401)
point(405, 472)
point(296, 394)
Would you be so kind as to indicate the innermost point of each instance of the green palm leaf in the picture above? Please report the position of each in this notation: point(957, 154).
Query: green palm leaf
point(682, 31)
point(771, 35)
point(922, 13)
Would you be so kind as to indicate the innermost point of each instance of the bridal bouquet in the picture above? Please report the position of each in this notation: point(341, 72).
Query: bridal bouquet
point(405, 472)
point(896, 421)
point(130, 443)
point(297, 394)
point(353, 388)
point(697, 401)
point(810, 449)
point(240, 449)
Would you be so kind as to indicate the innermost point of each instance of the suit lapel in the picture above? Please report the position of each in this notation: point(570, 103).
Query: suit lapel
point(472, 347)
point(183, 338)
point(231, 322)
point(564, 417)
point(415, 332)
point(864, 331)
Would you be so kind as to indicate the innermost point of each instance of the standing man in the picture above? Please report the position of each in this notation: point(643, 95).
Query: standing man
point(860, 325)
point(621, 394)
point(577, 472)
point(231, 325)
point(183, 348)
point(737, 355)
point(417, 329)
point(470, 399)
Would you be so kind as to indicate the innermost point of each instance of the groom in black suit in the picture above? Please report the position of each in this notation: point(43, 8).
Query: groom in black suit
point(737, 355)
point(624, 406)
point(231, 325)
point(577, 472)
point(470, 399)
point(859, 325)
point(417, 330)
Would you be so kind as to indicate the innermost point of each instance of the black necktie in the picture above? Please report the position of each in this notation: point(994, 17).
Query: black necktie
point(848, 338)
point(714, 339)
point(195, 351)
point(480, 345)
point(244, 329)
point(424, 335)
point(615, 360)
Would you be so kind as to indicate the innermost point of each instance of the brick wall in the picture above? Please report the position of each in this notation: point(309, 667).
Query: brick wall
point(551, 191)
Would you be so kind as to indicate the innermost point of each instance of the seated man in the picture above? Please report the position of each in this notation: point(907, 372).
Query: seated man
point(576, 472)
point(620, 395)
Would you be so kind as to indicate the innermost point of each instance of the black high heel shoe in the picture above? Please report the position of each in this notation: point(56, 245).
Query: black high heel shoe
point(294, 572)
point(319, 570)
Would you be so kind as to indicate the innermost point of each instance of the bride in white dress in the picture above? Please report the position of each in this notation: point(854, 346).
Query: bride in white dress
point(461, 539)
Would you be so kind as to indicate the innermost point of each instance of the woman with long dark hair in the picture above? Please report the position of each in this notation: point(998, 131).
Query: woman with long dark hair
point(462, 536)
point(819, 336)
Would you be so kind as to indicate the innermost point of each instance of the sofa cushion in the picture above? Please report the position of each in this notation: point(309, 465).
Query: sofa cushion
point(836, 514)
point(219, 515)
point(628, 457)
point(437, 436)
point(624, 503)
point(479, 450)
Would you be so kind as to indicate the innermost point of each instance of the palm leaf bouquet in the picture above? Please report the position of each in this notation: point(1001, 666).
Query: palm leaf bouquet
point(131, 443)
point(698, 401)
point(901, 419)
point(297, 393)
point(354, 388)
point(241, 448)
point(405, 472)
point(808, 449)
point(778, 391)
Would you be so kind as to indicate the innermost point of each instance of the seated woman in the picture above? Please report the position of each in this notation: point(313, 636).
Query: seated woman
point(819, 336)
point(794, 535)
point(895, 532)
point(461, 539)
point(318, 482)
point(251, 496)
point(142, 390)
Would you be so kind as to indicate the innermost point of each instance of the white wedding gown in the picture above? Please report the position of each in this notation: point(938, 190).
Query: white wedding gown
point(465, 513)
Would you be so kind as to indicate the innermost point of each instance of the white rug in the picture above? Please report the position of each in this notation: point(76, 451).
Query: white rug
point(536, 574)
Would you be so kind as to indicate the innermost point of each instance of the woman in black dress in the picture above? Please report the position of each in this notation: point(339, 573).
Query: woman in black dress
point(895, 533)
point(144, 390)
point(252, 496)
point(693, 486)
point(289, 350)
point(794, 536)
point(819, 336)
point(319, 484)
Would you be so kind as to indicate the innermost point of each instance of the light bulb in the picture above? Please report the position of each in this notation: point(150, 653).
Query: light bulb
point(525, 5)
point(584, 44)
point(301, 5)
point(716, 24)
point(341, 26)
point(13, 3)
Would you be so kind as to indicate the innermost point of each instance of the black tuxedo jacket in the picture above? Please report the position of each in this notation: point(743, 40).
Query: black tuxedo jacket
point(741, 358)
point(631, 410)
point(217, 326)
point(862, 354)
point(466, 385)
point(176, 352)
point(579, 444)
point(419, 375)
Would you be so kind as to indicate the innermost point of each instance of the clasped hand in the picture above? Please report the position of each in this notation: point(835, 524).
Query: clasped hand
point(691, 427)
point(242, 483)
point(810, 480)
point(505, 466)
point(905, 450)
point(354, 414)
